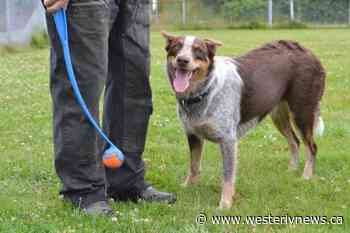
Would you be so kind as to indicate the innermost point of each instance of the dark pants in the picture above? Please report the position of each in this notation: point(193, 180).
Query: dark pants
point(109, 43)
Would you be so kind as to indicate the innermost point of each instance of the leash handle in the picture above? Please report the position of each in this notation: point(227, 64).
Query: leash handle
point(60, 20)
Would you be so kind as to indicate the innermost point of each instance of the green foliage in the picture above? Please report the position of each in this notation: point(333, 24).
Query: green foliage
point(290, 25)
point(249, 25)
point(194, 27)
point(323, 11)
point(40, 40)
point(306, 11)
point(237, 8)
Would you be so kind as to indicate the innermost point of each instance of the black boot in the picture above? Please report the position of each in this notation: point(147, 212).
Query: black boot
point(100, 208)
point(150, 194)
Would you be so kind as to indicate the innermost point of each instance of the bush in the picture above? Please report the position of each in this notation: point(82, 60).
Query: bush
point(9, 49)
point(291, 25)
point(253, 25)
point(40, 40)
point(250, 25)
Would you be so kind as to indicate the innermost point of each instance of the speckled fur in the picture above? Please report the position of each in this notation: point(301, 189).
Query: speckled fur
point(210, 118)
point(217, 120)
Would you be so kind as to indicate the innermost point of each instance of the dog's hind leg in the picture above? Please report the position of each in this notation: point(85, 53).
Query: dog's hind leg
point(282, 120)
point(229, 150)
point(306, 128)
point(311, 150)
point(305, 117)
point(196, 148)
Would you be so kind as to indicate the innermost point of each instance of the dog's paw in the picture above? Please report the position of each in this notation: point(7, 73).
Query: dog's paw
point(184, 184)
point(190, 180)
point(307, 176)
point(293, 165)
point(225, 204)
point(308, 172)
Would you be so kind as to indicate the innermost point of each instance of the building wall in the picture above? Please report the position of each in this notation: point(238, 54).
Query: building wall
point(20, 19)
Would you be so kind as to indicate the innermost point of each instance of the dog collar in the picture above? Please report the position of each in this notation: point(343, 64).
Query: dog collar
point(193, 100)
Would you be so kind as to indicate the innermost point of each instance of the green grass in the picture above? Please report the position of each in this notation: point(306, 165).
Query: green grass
point(29, 187)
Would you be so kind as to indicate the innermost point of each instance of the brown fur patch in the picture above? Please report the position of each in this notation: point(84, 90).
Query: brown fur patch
point(281, 70)
point(202, 70)
point(202, 52)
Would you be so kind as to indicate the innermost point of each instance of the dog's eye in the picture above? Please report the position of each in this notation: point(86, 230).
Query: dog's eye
point(175, 48)
point(199, 54)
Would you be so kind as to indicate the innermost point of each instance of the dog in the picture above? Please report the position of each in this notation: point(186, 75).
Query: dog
point(221, 98)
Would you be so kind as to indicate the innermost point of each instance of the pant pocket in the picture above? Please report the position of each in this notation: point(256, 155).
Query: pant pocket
point(138, 23)
point(89, 16)
point(88, 3)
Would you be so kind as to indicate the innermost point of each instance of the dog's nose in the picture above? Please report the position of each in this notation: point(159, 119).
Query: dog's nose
point(183, 60)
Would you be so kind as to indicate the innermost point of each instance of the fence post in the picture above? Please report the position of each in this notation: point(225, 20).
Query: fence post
point(291, 3)
point(270, 12)
point(155, 8)
point(349, 13)
point(7, 15)
point(184, 12)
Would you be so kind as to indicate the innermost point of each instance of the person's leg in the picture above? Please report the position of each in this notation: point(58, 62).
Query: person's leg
point(77, 159)
point(128, 102)
point(128, 98)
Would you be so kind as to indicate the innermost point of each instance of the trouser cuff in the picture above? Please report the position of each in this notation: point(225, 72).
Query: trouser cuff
point(83, 200)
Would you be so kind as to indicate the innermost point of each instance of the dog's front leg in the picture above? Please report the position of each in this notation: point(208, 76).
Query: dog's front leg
point(196, 147)
point(229, 150)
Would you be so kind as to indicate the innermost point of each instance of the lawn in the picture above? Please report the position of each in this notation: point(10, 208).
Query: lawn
point(29, 187)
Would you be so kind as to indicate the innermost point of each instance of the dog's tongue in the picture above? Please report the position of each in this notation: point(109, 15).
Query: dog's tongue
point(182, 80)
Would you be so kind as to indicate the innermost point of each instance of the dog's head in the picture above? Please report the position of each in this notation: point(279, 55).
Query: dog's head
point(189, 61)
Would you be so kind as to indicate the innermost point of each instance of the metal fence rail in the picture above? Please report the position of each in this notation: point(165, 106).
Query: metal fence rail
point(20, 18)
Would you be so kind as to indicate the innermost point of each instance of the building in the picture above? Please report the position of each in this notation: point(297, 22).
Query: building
point(19, 19)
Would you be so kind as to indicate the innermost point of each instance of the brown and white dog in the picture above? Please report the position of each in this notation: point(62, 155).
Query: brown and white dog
point(221, 98)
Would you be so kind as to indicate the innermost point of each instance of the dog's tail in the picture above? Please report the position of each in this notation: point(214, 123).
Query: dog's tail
point(319, 127)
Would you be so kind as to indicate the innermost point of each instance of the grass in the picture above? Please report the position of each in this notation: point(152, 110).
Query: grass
point(39, 40)
point(29, 187)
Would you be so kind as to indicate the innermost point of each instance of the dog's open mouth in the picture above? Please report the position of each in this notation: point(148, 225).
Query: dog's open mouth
point(182, 79)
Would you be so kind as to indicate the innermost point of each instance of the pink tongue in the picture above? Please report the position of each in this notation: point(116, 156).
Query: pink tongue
point(182, 80)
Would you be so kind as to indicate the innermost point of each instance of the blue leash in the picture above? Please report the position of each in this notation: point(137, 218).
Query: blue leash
point(112, 156)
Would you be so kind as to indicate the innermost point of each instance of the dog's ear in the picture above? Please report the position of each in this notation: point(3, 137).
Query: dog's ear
point(212, 45)
point(169, 39)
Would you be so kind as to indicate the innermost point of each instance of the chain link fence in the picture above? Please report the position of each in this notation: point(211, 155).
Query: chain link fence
point(19, 19)
point(211, 13)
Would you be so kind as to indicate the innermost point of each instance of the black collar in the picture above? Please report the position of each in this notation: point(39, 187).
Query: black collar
point(193, 100)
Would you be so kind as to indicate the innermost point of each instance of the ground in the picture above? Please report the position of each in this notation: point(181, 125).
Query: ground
point(29, 187)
